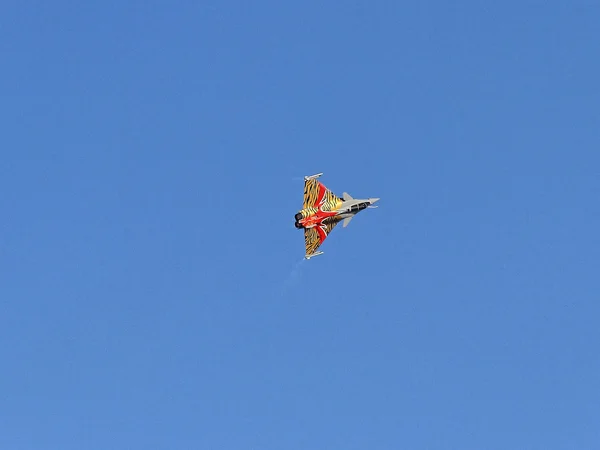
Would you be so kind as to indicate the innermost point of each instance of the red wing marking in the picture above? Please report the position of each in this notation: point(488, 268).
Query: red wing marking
point(315, 236)
point(322, 234)
point(316, 195)
point(322, 190)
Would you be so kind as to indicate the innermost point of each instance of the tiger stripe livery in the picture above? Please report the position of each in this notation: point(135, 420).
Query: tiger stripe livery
point(317, 216)
point(316, 195)
point(322, 210)
point(315, 236)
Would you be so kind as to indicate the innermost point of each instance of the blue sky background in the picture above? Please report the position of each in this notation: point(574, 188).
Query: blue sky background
point(152, 289)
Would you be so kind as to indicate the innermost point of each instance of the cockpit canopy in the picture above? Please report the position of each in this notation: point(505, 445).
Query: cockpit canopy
point(359, 207)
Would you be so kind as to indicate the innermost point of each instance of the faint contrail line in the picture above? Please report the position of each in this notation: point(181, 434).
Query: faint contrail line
point(292, 278)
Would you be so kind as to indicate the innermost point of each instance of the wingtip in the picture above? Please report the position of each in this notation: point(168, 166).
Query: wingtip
point(313, 177)
point(312, 255)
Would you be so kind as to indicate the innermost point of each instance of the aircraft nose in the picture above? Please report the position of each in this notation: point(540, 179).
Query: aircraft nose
point(373, 200)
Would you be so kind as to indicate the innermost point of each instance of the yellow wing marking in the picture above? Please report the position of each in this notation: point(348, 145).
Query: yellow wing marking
point(312, 237)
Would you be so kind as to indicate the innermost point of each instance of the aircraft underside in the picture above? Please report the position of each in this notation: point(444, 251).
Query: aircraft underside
point(322, 211)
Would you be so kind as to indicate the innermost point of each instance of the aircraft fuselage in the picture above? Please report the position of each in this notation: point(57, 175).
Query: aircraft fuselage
point(311, 217)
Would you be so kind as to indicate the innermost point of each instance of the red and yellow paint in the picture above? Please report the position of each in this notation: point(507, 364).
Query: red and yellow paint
point(318, 216)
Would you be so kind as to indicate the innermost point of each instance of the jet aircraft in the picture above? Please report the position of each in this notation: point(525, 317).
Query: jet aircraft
point(322, 211)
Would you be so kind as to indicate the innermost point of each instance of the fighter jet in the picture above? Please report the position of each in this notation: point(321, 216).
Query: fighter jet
point(322, 211)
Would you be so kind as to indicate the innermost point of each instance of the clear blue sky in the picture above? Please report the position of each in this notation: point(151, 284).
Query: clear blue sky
point(152, 289)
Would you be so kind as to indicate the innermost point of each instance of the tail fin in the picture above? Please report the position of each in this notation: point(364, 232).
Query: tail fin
point(347, 196)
